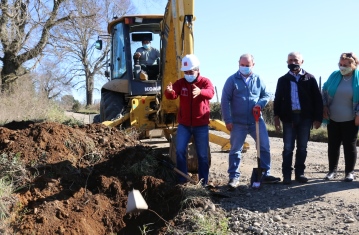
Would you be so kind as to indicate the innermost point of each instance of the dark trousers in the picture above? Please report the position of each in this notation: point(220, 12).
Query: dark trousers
point(296, 131)
point(345, 133)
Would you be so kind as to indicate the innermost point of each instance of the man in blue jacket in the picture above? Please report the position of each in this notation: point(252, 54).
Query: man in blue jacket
point(242, 92)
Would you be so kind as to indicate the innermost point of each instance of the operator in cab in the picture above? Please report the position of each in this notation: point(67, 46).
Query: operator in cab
point(194, 92)
point(146, 56)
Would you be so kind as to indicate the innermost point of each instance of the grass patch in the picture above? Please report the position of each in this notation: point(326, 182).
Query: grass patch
point(208, 224)
point(6, 202)
point(198, 214)
point(319, 135)
point(12, 170)
point(13, 176)
point(316, 135)
point(147, 166)
point(72, 122)
point(89, 109)
point(5, 195)
point(86, 111)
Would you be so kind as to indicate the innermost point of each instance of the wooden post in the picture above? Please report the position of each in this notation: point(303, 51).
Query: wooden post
point(320, 83)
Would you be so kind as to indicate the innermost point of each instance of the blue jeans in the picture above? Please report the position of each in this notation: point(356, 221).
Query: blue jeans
point(201, 140)
point(238, 136)
point(297, 130)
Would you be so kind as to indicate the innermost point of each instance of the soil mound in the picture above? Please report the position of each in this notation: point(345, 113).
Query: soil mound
point(79, 179)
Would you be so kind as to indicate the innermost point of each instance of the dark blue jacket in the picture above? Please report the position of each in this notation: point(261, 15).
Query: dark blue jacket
point(309, 95)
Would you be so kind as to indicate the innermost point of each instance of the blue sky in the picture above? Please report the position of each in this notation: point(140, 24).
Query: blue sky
point(319, 29)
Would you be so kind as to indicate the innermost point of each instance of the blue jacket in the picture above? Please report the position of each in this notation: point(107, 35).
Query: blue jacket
point(238, 99)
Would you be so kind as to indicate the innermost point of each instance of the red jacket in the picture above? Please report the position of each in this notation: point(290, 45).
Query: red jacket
point(192, 111)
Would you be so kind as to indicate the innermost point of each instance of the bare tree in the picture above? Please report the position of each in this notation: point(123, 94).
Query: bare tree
point(25, 27)
point(67, 29)
point(76, 39)
point(51, 80)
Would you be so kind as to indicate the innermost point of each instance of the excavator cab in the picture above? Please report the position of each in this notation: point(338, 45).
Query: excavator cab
point(126, 35)
point(149, 70)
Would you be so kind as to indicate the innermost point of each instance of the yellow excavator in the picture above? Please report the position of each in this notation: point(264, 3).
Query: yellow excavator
point(130, 99)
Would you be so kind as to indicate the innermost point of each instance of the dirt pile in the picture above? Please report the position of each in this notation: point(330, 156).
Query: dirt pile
point(80, 178)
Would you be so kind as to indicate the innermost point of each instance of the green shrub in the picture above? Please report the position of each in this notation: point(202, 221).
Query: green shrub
point(76, 106)
point(215, 112)
point(268, 113)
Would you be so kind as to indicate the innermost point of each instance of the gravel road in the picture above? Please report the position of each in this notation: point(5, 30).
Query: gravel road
point(318, 207)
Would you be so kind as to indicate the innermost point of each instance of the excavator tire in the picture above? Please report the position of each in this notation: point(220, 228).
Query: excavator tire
point(192, 159)
point(97, 118)
point(112, 105)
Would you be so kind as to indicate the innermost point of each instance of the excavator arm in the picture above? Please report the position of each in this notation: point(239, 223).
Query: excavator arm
point(177, 41)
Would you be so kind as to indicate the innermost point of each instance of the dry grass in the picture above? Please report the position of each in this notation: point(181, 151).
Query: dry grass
point(24, 103)
point(91, 109)
point(13, 175)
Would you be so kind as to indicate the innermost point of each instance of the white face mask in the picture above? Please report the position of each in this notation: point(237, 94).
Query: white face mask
point(190, 78)
point(245, 70)
point(345, 70)
point(146, 46)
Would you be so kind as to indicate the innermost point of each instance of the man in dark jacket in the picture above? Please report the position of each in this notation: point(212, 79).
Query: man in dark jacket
point(194, 92)
point(298, 104)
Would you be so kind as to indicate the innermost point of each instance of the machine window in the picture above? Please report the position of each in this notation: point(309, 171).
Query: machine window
point(118, 52)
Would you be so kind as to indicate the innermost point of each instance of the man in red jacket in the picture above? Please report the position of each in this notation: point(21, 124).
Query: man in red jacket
point(195, 92)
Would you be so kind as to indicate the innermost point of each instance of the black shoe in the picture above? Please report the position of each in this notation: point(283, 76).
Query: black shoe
point(301, 179)
point(331, 175)
point(209, 186)
point(349, 177)
point(269, 179)
point(287, 180)
point(233, 183)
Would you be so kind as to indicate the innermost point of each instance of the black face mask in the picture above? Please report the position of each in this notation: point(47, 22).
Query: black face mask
point(293, 67)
